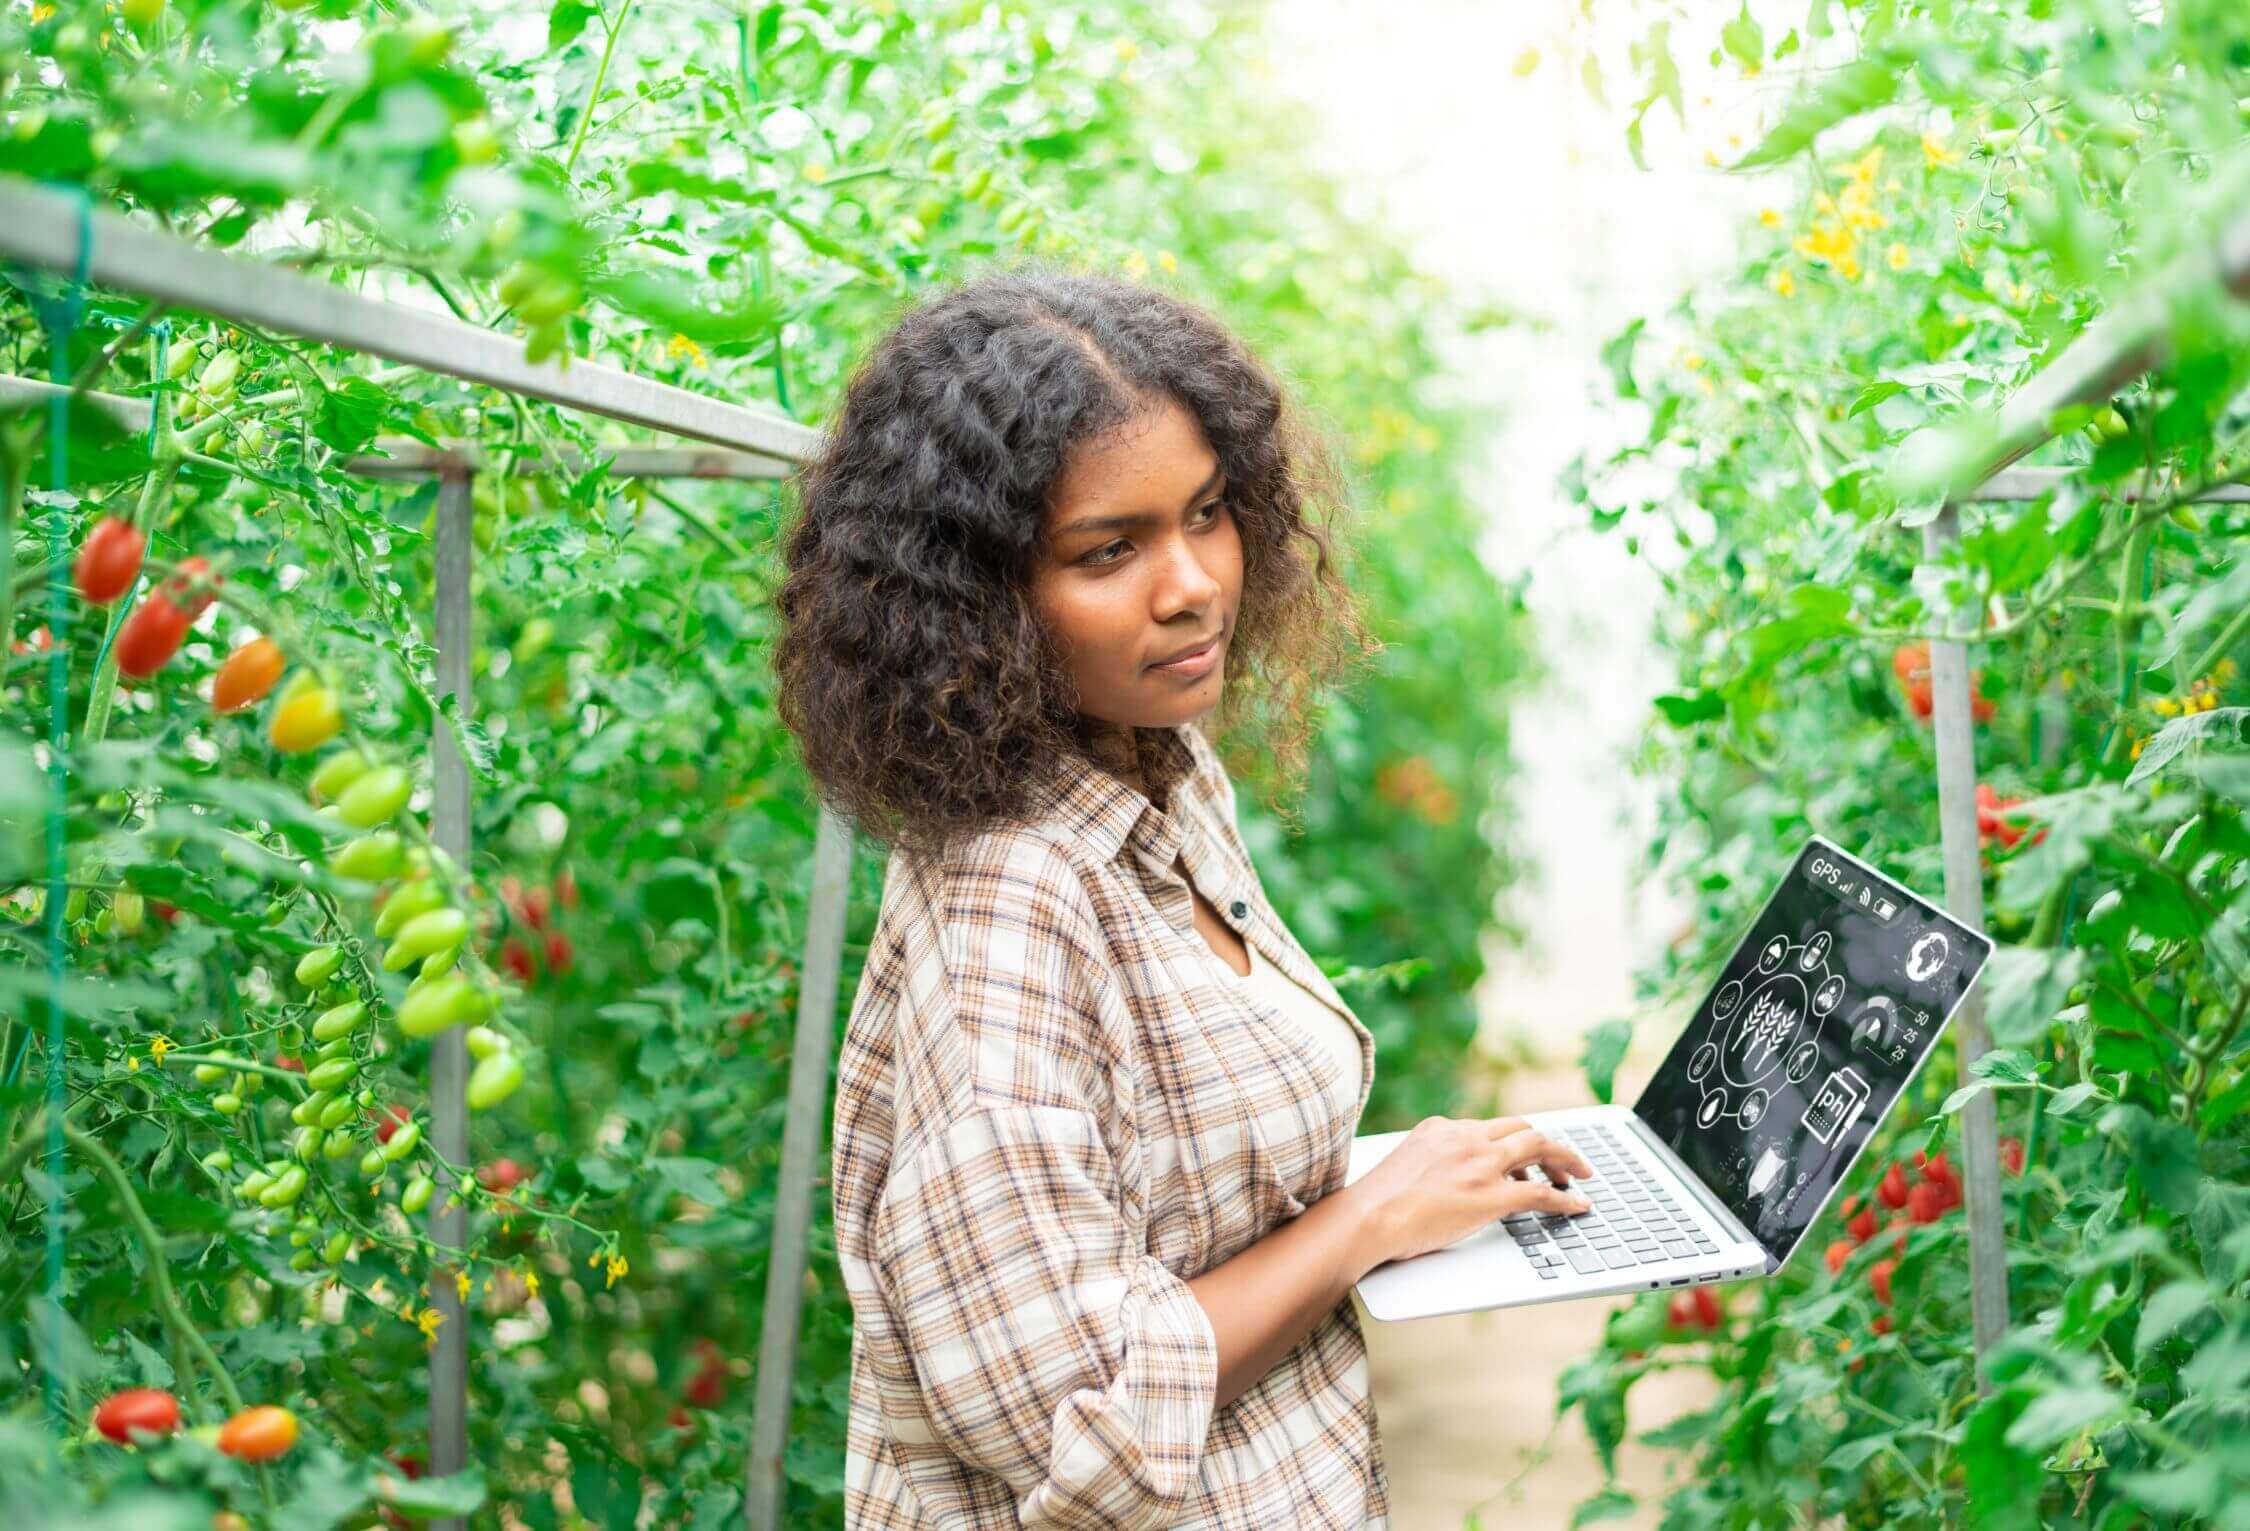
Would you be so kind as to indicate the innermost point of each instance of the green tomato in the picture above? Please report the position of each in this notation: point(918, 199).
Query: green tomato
point(372, 1164)
point(339, 1247)
point(286, 1188)
point(333, 1073)
point(530, 643)
point(339, 1112)
point(209, 1073)
point(218, 1162)
point(425, 934)
point(307, 1143)
point(407, 900)
point(339, 1145)
point(483, 1042)
point(310, 1107)
point(494, 1080)
point(226, 1104)
point(303, 1260)
point(370, 858)
point(253, 1185)
point(448, 1002)
point(336, 773)
point(375, 797)
point(402, 1141)
point(417, 1193)
point(319, 965)
point(339, 1022)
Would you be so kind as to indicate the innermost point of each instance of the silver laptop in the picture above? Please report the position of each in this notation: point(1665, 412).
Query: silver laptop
point(1826, 1009)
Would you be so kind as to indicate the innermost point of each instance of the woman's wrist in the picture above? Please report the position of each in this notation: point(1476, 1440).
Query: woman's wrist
point(1371, 1237)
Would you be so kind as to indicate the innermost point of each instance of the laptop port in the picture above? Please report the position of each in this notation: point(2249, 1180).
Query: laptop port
point(1681, 1281)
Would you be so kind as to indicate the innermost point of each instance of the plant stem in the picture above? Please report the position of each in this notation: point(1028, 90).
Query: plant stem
point(594, 96)
point(159, 1264)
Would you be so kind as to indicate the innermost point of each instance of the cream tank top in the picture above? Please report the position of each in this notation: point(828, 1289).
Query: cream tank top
point(1321, 1025)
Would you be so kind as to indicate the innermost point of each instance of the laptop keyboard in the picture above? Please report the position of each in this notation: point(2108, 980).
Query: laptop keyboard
point(1633, 1220)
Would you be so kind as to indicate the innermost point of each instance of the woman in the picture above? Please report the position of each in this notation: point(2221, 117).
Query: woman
point(1095, 1104)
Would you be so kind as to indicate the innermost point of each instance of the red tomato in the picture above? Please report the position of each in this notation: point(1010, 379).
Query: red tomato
point(41, 642)
point(1879, 1280)
point(151, 636)
point(147, 1409)
point(515, 957)
point(1707, 1308)
point(502, 1175)
point(193, 587)
point(560, 954)
point(1881, 1323)
point(1891, 1191)
point(566, 889)
point(1838, 1253)
point(1925, 1203)
point(393, 1115)
point(1935, 1168)
point(259, 1434)
point(707, 1389)
point(1862, 1227)
point(1909, 660)
point(292, 1063)
point(1920, 700)
point(2011, 1155)
point(109, 560)
point(680, 1419)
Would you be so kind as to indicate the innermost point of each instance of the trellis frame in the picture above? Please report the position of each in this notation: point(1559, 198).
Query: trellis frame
point(40, 226)
point(2124, 343)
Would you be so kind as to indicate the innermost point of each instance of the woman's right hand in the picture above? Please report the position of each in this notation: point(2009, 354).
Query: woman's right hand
point(1451, 1176)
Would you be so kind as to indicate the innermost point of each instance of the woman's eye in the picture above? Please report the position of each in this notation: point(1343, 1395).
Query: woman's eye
point(1094, 560)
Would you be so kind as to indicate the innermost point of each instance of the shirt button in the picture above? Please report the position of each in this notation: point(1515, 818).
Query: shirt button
point(1238, 908)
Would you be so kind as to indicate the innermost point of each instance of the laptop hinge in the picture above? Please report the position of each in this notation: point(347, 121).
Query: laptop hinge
point(1694, 1182)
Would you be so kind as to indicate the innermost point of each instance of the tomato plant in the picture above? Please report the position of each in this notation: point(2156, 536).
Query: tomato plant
point(1952, 195)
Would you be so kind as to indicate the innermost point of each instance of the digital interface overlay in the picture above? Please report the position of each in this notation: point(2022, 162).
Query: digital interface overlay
point(1819, 1018)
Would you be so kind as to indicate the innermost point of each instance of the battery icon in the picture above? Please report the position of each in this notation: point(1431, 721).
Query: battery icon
point(1884, 908)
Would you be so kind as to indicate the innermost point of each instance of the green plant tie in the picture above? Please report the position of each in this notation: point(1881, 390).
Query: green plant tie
point(59, 317)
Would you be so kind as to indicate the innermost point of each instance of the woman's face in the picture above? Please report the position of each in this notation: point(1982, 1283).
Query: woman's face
point(1140, 559)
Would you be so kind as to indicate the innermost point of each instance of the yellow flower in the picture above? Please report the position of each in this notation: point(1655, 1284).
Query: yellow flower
point(816, 173)
point(617, 1268)
point(680, 345)
point(1935, 153)
point(1691, 360)
point(1862, 170)
point(132, 1065)
point(461, 1286)
point(1896, 257)
point(40, 13)
point(1847, 267)
point(2165, 706)
point(1710, 156)
point(158, 1047)
point(530, 1283)
point(428, 1320)
point(1136, 265)
point(1783, 282)
point(1168, 261)
point(1823, 203)
point(1127, 49)
point(1769, 218)
point(594, 1259)
point(2137, 743)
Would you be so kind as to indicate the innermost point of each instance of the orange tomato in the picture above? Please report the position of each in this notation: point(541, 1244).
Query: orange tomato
point(248, 674)
point(259, 1434)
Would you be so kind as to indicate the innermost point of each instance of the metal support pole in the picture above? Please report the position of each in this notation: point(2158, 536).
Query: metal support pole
point(800, 1158)
point(1964, 900)
point(449, 1053)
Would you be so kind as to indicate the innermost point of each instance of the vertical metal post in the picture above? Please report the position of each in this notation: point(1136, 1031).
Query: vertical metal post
point(449, 1054)
point(1964, 900)
point(800, 1158)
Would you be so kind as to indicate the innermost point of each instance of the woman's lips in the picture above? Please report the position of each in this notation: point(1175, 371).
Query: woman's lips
point(1196, 663)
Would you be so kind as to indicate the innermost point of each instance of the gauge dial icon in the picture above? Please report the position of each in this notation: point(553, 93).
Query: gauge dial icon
point(1875, 1028)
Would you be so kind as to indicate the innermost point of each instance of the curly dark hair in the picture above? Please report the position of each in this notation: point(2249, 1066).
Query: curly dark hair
point(924, 691)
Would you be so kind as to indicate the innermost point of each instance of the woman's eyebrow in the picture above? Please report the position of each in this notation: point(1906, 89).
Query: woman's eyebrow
point(1137, 518)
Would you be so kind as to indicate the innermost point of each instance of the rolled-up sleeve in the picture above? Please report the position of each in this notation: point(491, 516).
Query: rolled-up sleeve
point(1050, 1349)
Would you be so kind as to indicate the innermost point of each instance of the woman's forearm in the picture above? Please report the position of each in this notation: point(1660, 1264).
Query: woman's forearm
point(1270, 1296)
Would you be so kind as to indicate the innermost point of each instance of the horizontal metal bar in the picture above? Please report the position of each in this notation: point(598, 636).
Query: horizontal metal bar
point(39, 226)
point(2032, 483)
point(404, 457)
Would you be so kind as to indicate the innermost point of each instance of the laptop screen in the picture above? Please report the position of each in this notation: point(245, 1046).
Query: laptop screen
point(1825, 1010)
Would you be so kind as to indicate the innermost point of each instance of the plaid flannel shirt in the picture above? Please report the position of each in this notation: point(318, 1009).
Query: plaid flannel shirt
point(1051, 1111)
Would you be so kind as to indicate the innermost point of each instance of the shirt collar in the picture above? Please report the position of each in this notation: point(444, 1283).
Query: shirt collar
point(1104, 813)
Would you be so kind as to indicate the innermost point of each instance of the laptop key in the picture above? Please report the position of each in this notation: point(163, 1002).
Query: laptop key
point(1549, 1273)
point(1584, 1261)
point(1616, 1259)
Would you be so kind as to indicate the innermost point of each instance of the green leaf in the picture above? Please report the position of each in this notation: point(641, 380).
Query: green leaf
point(2162, 1154)
point(1604, 1050)
point(2056, 1415)
point(566, 21)
point(2164, 1314)
point(2222, 729)
point(1684, 711)
point(1873, 394)
point(1609, 1504)
point(432, 1498)
point(2028, 985)
point(1859, 86)
point(1853, 1455)
point(1617, 356)
point(1744, 38)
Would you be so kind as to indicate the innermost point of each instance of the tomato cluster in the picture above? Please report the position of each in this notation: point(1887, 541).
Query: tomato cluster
point(533, 909)
point(1993, 822)
point(706, 1387)
point(139, 1415)
point(1910, 662)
